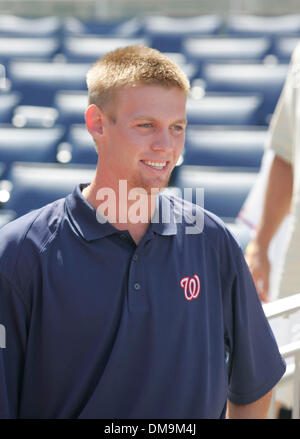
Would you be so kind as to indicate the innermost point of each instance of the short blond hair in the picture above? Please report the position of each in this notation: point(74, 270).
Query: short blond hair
point(132, 65)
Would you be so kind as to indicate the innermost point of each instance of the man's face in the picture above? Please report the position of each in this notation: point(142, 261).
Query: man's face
point(146, 139)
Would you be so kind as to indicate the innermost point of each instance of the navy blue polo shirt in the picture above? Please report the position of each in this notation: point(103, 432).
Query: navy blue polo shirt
point(99, 327)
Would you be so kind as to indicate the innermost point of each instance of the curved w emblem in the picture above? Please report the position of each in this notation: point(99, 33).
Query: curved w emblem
point(191, 286)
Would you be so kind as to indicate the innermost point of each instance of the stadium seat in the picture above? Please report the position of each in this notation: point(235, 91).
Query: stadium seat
point(34, 116)
point(266, 79)
point(215, 49)
point(36, 184)
point(256, 25)
point(131, 27)
point(225, 109)
point(8, 102)
point(29, 144)
point(79, 147)
point(90, 48)
point(71, 106)
point(283, 48)
point(224, 190)
point(225, 146)
point(39, 81)
point(27, 48)
point(15, 26)
point(167, 33)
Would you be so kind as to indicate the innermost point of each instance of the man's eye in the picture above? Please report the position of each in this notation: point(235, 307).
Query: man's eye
point(145, 125)
point(178, 128)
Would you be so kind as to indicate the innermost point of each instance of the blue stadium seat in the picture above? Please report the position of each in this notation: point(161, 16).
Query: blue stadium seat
point(225, 109)
point(29, 144)
point(71, 106)
point(167, 33)
point(8, 102)
point(215, 49)
point(34, 116)
point(79, 147)
point(131, 27)
point(266, 79)
point(90, 48)
point(16, 26)
point(37, 184)
point(27, 48)
point(224, 190)
point(225, 146)
point(39, 81)
point(283, 48)
point(256, 25)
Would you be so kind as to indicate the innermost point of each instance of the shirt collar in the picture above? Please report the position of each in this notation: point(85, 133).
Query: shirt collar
point(83, 216)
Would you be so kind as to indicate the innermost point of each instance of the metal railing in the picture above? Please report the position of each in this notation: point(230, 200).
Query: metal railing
point(280, 315)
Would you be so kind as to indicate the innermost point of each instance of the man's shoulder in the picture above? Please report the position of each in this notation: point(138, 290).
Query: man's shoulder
point(28, 234)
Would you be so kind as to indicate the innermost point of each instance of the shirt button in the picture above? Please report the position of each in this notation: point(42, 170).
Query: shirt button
point(135, 257)
point(136, 286)
point(123, 236)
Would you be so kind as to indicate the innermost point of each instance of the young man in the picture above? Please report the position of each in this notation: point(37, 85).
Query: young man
point(122, 303)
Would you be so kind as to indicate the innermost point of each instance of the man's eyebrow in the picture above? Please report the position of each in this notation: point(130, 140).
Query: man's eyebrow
point(183, 121)
point(151, 119)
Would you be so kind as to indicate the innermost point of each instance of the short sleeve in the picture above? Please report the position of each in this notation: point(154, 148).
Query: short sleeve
point(13, 320)
point(281, 132)
point(255, 362)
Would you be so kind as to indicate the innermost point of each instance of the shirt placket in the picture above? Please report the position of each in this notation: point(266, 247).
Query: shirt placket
point(138, 299)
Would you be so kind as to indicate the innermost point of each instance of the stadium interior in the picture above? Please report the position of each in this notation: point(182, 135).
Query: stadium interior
point(236, 55)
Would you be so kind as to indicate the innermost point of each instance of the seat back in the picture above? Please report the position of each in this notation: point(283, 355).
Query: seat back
point(224, 190)
point(29, 144)
point(38, 81)
point(225, 146)
point(225, 109)
point(37, 184)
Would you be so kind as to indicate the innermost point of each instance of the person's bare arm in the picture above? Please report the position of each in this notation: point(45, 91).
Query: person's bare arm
point(276, 205)
point(256, 410)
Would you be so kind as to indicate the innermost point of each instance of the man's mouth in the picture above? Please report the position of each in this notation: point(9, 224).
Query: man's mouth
point(155, 165)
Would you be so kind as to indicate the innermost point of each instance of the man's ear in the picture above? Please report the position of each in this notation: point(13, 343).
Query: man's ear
point(94, 121)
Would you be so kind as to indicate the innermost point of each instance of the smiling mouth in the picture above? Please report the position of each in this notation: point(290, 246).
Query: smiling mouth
point(156, 165)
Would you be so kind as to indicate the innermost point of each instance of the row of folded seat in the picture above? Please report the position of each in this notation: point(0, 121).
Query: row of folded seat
point(198, 50)
point(165, 33)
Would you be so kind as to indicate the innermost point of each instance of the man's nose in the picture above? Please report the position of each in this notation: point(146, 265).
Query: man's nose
point(162, 140)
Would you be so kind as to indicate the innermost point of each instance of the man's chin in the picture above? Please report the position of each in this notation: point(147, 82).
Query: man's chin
point(152, 188)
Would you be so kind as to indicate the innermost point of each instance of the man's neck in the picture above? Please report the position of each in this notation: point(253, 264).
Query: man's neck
point(123, 213)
